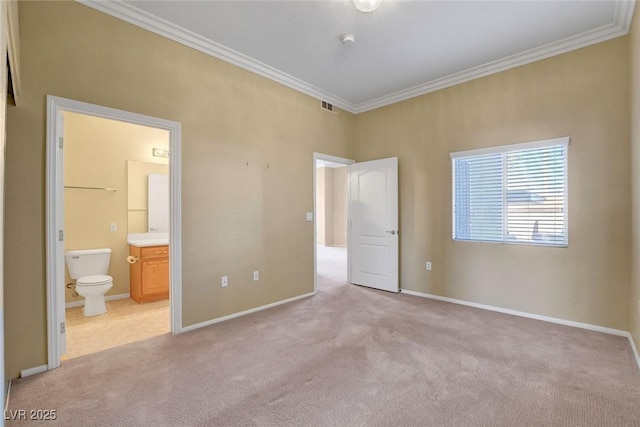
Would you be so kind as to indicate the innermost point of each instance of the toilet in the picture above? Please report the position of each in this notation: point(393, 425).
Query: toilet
point(89, 268)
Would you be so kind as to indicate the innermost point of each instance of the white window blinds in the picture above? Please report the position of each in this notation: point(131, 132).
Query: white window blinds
point(512, 194)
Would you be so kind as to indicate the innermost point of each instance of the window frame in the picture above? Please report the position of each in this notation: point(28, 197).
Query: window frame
point(504, 149)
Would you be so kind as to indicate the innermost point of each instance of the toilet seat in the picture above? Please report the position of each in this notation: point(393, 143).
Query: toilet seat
point(98, 279)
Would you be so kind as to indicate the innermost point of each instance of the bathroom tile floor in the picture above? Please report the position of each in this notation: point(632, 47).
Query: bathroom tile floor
point(125, 321)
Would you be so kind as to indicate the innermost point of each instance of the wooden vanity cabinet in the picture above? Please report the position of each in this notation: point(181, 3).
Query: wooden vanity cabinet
point(149, 275)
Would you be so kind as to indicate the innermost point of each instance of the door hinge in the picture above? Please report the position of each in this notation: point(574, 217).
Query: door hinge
point(60, 142)
point(61, 235)
point(62, 328)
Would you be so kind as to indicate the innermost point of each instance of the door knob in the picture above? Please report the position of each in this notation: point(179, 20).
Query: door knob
point(392, 232)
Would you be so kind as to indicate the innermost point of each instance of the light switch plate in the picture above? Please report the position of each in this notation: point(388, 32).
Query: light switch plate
point(224, 282)
point(309, 216)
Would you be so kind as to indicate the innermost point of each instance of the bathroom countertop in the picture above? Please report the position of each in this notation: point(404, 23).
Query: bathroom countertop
point(148, 242)
point(142, 240)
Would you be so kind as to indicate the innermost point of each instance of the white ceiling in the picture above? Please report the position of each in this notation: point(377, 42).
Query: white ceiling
point(403, 49)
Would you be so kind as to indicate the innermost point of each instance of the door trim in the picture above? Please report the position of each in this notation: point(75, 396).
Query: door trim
point(347, 163)
point(54, 202)
point(6, 29)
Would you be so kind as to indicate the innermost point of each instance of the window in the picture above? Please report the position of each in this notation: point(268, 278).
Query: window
point(512, 194)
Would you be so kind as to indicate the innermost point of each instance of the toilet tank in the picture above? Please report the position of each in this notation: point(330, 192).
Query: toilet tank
point(88, 262)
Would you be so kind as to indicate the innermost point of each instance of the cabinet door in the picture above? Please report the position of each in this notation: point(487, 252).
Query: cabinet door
point(155, 277)
point(155, 252)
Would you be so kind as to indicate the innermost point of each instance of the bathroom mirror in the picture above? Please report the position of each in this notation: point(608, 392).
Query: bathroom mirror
point(138, 180)
point(158, 203)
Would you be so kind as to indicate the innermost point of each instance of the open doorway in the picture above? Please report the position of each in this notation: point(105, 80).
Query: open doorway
point(331, 214)
point(116, 193)
point(103, 164)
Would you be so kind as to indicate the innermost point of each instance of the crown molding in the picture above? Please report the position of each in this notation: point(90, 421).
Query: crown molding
point(118, 9)
point(142, 19)
point(619, 27)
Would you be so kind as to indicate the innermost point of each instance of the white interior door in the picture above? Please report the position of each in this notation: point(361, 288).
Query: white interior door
point(374, 234)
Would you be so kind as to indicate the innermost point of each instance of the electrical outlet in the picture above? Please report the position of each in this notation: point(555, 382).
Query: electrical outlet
point(256, 276)
point(113, 227)
point(225, 281)
point(428, 266)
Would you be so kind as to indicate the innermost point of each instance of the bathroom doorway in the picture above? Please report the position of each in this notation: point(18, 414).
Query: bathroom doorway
point(100, 163)
point(331, 215)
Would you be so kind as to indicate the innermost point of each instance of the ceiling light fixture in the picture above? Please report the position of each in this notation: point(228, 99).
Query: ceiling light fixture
point(366, 5)
point(160, 152)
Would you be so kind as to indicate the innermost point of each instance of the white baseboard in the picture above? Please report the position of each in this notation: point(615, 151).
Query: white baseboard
point(106, 298)
point(6, 398)
point(581, 325)
point(634, 348)
point(244, 313)
point(33, 371)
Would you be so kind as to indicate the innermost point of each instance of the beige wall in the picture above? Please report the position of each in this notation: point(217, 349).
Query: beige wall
point(138, 192)
point(322, 175)
point(339, 211)
point(3, 108)
point(95, 155)
point(331, 206)
point(583, 94)
point(247, 150)
point(634, 297)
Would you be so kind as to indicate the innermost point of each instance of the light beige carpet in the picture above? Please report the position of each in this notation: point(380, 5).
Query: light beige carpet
point(350, 356)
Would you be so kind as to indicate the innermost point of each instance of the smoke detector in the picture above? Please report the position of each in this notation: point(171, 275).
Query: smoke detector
point(347, 39)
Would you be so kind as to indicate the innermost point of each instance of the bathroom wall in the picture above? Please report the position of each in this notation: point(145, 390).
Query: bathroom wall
point(138, 186)
point(97, 153)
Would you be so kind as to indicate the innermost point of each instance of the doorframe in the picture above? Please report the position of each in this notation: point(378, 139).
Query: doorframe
point(347, 163)
point(8, 35)
point(55, 214)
